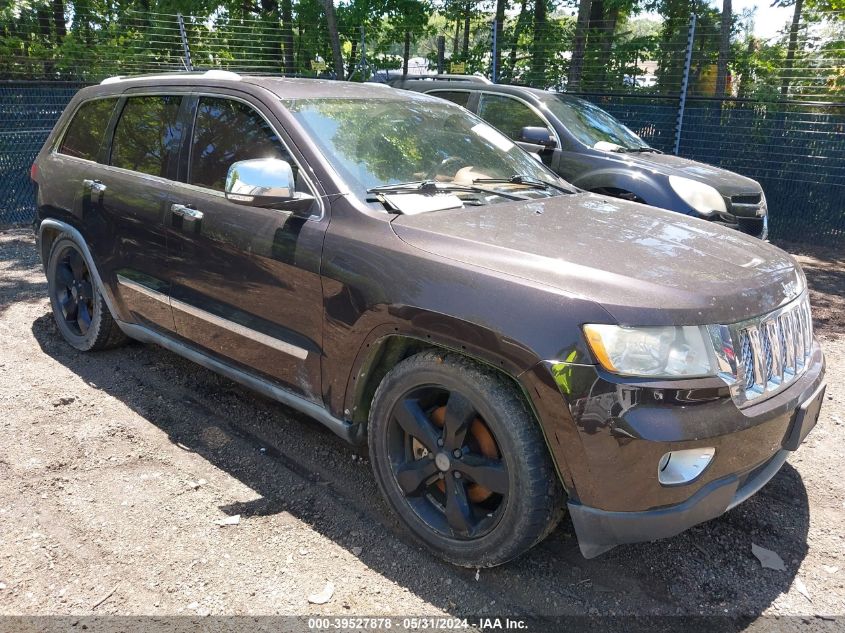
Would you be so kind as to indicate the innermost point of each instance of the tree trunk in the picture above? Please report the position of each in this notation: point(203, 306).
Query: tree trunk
point(501, 7)
point(791, 49)
point(517, 33)
point(537, 73)
point(287, 35)
point(467, 16)
point(406, 54)
point(457, 39)
point(579, 45)
point(608, 29)
point(334, 37)
point(59, 22)
point(724, 49)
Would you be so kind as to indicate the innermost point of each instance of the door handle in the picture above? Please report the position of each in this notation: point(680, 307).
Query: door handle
point(185, 217)
point(96, 186)
point(185, 211)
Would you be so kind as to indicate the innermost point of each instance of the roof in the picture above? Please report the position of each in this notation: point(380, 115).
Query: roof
point(432, 84)
point(283, 87)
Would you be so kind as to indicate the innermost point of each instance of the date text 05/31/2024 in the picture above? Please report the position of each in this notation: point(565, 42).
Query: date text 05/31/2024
point(416, 624)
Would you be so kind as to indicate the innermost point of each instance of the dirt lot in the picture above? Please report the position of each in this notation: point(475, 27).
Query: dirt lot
point(116, 467)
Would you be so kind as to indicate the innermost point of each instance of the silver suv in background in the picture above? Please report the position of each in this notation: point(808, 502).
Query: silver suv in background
point(594, 151)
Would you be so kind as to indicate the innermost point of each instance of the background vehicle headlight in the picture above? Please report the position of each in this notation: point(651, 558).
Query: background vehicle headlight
point(662, 352)
point(703, 198)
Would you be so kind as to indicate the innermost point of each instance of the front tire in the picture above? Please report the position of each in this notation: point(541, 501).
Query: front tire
point(81, 313)
point(461, 460)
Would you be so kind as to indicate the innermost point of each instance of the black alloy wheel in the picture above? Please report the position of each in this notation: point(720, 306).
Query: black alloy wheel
point(74, 290)
point(81, 313)
point(461, 460)
point(446, 462)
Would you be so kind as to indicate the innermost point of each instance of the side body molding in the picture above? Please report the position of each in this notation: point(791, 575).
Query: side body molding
point(352, 433)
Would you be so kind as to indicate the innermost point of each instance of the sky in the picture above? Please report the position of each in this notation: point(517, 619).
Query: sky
point(767, 20)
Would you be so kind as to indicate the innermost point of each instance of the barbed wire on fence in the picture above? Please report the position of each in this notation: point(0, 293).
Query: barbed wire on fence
point(613, 56)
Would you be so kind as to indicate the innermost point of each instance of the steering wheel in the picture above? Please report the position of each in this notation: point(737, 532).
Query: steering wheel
point(451, 163)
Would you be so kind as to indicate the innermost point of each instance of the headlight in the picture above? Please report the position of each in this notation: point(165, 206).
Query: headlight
point(703, 198)
point(664, 352)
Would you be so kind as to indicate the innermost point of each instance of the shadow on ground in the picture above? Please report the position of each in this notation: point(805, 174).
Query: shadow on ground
point(18, 258)
point(708, 570)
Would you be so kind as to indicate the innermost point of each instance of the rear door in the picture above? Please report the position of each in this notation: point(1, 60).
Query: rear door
point(135, 189)
point(245, 280)
point(76, 164)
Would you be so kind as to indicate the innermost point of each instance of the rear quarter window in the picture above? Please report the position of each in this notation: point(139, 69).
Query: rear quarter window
point(84, 135)
point(455, 96)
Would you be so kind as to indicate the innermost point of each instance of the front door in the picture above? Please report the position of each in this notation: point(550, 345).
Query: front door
point(510, 115)
point(245, 283)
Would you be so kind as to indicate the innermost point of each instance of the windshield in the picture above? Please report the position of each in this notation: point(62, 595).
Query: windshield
point(590, 124)
point(379, 142)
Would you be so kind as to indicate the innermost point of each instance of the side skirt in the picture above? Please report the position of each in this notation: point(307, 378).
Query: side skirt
point(353, 433)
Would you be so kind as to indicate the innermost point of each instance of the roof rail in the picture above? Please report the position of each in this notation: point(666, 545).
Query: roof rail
point(214, 73)
point(476, 79)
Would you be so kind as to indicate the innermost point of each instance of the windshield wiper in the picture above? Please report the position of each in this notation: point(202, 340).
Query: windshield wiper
point(432, 187)
point(639, 150)
point(526, 181)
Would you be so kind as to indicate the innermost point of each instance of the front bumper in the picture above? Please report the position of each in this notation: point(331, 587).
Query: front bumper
point(609, 464)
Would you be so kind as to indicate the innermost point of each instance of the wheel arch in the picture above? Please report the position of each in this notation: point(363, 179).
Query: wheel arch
point(387, 347)
point(644, 187)
point(50, 230)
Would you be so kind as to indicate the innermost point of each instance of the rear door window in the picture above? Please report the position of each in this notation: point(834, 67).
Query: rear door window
point(508, 114)
point(455, 96)
point(84, 135)
point(225, 132)
point(147, 135)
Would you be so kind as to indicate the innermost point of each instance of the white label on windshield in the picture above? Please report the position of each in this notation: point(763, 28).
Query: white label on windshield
point(494, 136)
point(414, 203)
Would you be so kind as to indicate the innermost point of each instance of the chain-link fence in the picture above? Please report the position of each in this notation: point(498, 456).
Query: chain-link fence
point(770, 108)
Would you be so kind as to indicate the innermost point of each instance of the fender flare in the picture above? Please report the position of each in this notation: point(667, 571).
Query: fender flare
point(63, 228)
point(646, 188)
point(522, 374)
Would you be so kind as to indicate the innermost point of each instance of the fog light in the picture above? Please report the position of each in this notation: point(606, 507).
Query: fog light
point(682, 467)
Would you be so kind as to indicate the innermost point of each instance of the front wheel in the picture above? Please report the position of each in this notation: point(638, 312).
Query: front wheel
point(462, 461)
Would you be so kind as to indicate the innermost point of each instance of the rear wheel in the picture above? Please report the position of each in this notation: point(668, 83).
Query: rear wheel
point(461, 460)
point(81, 313)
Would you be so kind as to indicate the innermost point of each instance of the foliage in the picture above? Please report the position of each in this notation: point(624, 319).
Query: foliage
point(623, 50)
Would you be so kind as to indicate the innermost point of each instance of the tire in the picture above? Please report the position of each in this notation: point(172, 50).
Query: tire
point(480, 507)
point(80, 312)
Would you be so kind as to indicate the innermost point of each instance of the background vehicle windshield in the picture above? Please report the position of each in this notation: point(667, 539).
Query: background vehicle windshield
point(590, 124)
point(388, 141)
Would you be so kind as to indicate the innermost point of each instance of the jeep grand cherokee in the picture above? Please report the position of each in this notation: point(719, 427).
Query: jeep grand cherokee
point(394, 267)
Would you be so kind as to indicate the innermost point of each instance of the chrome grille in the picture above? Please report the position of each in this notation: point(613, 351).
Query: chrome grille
point(774, 349)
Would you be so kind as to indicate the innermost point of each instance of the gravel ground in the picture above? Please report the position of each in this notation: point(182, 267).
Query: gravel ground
point(115, 469)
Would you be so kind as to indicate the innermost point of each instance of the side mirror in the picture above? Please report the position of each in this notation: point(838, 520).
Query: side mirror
point(537, 136)
point(260, 182)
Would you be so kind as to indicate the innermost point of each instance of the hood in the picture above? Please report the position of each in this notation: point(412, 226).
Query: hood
point(645, 266)
point(725, 182)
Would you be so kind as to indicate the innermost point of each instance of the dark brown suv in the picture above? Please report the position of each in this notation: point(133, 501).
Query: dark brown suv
point(391, 265)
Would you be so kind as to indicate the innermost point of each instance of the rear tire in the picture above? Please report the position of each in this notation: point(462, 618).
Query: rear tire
point(80, 312)
point(462, 461)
